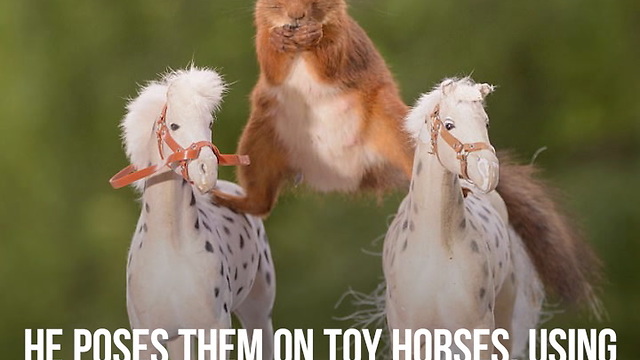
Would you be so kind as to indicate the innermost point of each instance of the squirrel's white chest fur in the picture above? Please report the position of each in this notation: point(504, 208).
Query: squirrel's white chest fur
point(321, 127)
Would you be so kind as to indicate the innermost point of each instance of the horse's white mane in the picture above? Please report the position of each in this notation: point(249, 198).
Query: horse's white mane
point(194, 88)
point(464, 89)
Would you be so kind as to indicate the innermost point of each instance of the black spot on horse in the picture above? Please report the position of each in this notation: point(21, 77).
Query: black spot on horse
point(404, 246)
point(241, 241)
point(268, 278)
point(228, 218)
point(216, 291)
point(244, 266)
point(482, 293)
point(226, 309)
point(206, 226)
point(239, 290)
point(147, 207)
point(229, 248)
point(208, 246)
point(197, 224)
point(226, 230)
point(221, 269)
point(474, 246)
point(193, 199)
point(235, 276)
point(463, 224)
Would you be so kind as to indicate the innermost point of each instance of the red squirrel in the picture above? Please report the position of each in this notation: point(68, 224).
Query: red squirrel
point(326, 108)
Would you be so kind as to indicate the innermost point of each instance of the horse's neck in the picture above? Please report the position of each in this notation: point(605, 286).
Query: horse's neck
point(436, 194)
point(168, 200)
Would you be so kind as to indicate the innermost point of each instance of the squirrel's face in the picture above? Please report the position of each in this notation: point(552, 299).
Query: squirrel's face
point(295, 13)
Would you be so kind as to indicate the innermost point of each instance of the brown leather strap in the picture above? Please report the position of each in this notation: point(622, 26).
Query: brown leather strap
point(233, 160)
point(129, 175)
point(180, 155)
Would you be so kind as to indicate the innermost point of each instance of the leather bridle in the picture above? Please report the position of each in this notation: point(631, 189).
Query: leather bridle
point(180, 155)
point(462, 149)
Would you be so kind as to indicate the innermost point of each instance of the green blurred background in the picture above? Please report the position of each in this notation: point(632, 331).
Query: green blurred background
point(567, 76)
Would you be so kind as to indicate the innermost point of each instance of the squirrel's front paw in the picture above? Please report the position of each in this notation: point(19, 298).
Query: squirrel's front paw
point(308, 36)
point(289, 38)
point(282, 39)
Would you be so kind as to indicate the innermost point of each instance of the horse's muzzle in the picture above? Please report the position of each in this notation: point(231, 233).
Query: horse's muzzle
point(203, 171)
point(483, 169)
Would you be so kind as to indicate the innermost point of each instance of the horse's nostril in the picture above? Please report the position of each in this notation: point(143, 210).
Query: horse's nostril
point(203, 168)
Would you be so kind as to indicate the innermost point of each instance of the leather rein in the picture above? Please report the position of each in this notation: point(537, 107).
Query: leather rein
point(180, 155)
point(462, 149)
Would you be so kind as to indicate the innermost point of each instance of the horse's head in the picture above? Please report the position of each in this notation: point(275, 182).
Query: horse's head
point(192, 96)
point(451, 119)
point(173, 117)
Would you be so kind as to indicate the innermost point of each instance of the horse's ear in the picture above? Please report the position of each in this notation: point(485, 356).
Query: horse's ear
point(485, 89)
point(447, 86)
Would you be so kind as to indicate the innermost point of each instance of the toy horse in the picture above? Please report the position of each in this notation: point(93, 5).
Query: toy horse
point(192, 263)
point(450, 259)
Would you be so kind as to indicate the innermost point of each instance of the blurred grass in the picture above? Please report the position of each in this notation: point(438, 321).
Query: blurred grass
point(567, 79)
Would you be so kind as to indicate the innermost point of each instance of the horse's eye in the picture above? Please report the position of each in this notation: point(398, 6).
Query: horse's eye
point(487, 125)
point(449, 125)
point(174, 127)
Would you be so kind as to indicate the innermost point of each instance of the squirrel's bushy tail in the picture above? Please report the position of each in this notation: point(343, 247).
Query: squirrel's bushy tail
point(564, 261)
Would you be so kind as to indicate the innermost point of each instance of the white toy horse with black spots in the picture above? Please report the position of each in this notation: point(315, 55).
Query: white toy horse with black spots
point(450, 259)
point(191, 262)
